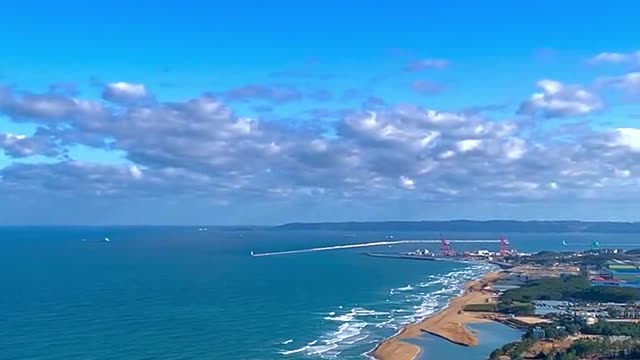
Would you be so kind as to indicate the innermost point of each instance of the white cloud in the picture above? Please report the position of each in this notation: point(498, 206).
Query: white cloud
point(200, 147)
point(628, 83)
point(135, 172)
point(20, 145)
point(616, 58)
point(407, 183)
point(560, 100)
point(629, 137)
point(468, 145)
point(124, 92)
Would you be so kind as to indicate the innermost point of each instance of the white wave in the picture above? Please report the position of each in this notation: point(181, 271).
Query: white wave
point(358, 339)
point(353, 313)
point(342, 318)
point(413, 297)
point(320, 349)
point(384, 323)
point(363, 325)
point(289, 352)
point(287, 342)
point(450, 289)
point(365, 312)
point(346, 331)
point(313, 350)
point(406, 288)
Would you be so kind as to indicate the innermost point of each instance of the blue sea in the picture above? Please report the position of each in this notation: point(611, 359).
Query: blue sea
point(180, 293)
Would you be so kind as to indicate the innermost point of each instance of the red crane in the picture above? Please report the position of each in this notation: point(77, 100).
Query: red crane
point(505, 249)
point(445, 247)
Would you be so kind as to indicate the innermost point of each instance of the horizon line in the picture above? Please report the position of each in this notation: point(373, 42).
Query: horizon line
point(332, 223)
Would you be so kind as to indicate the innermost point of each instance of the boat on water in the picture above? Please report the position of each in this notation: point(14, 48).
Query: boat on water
point(106, 239)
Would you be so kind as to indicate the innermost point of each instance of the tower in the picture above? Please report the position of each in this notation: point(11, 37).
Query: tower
point(445, 248)
point(505, 249)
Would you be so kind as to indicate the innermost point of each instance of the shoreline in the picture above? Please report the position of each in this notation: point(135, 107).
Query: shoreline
point(448, 323)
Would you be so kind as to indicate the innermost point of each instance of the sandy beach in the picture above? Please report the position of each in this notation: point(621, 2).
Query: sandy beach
point(448, 323)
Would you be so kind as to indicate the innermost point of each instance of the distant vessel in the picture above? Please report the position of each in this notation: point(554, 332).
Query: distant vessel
point(106, 239)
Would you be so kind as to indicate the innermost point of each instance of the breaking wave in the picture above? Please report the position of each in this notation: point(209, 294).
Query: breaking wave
point(357, 328)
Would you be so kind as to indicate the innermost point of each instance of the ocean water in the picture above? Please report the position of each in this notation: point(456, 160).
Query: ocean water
point(180, 293)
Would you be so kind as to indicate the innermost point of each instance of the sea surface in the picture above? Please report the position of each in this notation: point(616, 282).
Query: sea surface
point(181, 293)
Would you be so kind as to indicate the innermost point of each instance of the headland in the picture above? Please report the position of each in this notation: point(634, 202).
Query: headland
point(565, 303)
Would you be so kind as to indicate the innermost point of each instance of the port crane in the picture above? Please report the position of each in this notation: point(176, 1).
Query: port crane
point(505, 246)
point(445, 247)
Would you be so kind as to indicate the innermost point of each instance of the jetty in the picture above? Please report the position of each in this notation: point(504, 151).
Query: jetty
point(371, 244)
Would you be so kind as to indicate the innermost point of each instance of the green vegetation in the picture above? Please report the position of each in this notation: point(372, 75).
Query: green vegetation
point(481, 307)
point(599, 349)
point(575, 288)
point(516, 307)
point(609, 294)
point(557, 330)
point(586, 259)
point(548, 289)
point(613, 329)
point(604, 348)
point(513, 350)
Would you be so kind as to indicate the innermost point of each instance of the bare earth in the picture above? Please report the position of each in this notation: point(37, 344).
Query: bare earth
point(532, 320)
point(448, 323)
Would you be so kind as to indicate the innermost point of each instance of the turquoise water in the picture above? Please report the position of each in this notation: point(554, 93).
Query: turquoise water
point(177, 293)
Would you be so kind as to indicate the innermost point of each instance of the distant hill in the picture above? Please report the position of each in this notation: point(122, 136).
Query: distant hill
point(497, 226)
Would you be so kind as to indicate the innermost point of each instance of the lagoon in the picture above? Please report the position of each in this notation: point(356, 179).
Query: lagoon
point(490, 335)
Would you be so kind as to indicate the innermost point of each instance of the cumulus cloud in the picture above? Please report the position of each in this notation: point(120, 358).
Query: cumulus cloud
point(202, 148)
point(628, 137)
point(407, 183)
point(616, 58)
point(124, 92)
point(425, 64)
point(559, 100)
point(628, 83)
point(49, 107)
point(18, 146)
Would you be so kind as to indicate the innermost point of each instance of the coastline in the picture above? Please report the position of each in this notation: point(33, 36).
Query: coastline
point(448, 323)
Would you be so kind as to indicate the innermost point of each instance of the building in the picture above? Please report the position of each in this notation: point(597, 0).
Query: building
point(552, 307)
point(539, 333)
point(618, 274)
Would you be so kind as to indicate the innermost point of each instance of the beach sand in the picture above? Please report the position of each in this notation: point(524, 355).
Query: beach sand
point(447, 323)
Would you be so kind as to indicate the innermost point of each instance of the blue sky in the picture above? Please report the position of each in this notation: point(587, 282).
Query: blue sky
point(266, 112)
